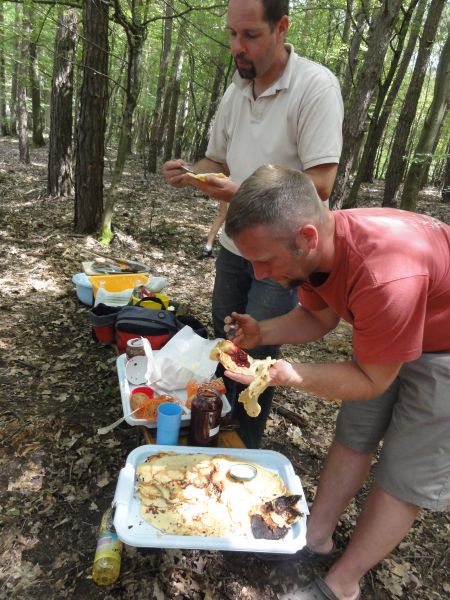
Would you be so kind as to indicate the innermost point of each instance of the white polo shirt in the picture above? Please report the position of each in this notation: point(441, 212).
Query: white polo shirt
point(296, 122)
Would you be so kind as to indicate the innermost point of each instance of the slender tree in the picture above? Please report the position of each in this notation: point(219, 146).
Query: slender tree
point(35, 85)
point(174, 92)
point(360, 99)
point(437, 110)
point(15, 70)
point(154, 138)
point(352, 58)
point(213, 104)
point(4, 125)
point(377, 121)
point(24, 146)
point(136, 33)
point(92, 118)
point(61, 121)
point(397, 161)
point(445, 192)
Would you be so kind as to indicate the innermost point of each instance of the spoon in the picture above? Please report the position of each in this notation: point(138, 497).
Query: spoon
point(108, 428)
point(232, 328)
point(187, 169)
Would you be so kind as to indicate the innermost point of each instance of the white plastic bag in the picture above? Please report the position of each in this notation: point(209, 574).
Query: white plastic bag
point(184, 357)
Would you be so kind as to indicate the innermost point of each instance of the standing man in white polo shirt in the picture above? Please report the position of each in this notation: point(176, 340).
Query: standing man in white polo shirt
point(280, 108)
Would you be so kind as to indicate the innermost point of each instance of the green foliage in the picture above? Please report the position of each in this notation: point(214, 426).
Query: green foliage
point(316, 31)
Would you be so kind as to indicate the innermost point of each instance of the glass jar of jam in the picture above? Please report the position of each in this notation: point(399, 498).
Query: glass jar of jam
point(206, 410)
point(135, 347)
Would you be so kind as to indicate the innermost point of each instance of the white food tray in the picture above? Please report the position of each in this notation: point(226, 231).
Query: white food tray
point(134, 531)
point(126, 387)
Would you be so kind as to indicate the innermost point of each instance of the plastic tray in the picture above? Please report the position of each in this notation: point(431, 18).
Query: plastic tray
point(126, 387)
point(134, 531)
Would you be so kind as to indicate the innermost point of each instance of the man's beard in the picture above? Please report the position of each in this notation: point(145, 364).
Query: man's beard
point(247, 73)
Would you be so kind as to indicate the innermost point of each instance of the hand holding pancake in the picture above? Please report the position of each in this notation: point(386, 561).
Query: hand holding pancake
point(215, 185)
point(280, 373)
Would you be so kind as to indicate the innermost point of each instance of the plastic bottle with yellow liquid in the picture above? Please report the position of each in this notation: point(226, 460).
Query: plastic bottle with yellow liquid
point(106, 568)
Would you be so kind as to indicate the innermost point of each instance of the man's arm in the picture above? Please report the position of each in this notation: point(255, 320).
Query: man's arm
point(351, 380)
point(323, 177)
point(298, 326)
point(344, 381)
point(338, 381)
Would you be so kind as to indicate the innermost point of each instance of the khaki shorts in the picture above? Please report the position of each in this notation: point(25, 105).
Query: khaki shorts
point(412, 417)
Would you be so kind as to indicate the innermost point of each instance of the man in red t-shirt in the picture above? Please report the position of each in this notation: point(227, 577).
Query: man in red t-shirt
point(387, 273)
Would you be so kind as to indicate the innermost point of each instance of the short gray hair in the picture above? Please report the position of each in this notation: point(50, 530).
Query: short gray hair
point(281, 198)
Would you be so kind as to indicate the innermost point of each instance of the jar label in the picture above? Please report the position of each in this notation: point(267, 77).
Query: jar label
point(108, 546)
point(214, 431)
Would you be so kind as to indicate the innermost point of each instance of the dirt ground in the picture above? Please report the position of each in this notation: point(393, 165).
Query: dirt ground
point(58, 386)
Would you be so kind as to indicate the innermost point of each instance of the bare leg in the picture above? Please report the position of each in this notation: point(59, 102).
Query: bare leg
point(343, 474)
point(217, 223)
point(384, 522)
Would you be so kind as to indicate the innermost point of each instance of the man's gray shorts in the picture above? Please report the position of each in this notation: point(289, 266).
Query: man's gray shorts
point(412, 417)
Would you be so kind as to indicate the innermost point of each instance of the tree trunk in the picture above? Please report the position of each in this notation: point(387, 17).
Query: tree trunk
point(92, 118)
point(24, 146)
point(431, 126)
point(213, 104)
point(376, 127)
point(4, 126)
point(397, 162)
point(381, 122)
point(181, 124)
point(445, 193)
point(136, 35)
point(61, 121)
point(345, 39)
point(352, 57)
point(359, 102)
point(178, 60)
point(116, 98)
point(154, 141)
point(33, 70)
point(439, 162)
point(15, 72)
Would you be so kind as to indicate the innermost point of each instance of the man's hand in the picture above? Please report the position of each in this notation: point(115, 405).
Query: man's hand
point(175, 175)
point(248, 332)
point(215, 187)
point(281, 373)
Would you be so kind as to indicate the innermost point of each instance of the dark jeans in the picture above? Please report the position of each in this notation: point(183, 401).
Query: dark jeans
point(236, 289)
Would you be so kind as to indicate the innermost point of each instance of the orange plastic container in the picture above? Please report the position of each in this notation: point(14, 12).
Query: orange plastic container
point(118, 283)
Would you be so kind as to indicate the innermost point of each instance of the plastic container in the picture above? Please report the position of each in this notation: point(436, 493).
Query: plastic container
point(117, 283)
point(84, 288)
point(134, 531)
point(126, 387)
point(108, 555)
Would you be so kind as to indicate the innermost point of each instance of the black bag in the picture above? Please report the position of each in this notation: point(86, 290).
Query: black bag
point(103, 319)
point(158, 326)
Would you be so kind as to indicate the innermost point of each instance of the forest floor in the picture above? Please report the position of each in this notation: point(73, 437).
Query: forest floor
point(58, 386)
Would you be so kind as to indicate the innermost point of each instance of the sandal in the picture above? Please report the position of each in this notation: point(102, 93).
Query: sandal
point(316, 590)
point(309, 554)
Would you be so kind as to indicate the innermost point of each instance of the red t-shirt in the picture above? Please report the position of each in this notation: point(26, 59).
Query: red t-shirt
point(391, 280)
